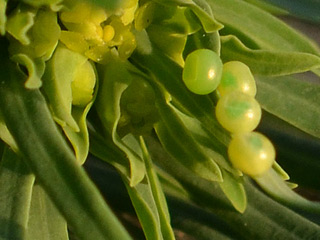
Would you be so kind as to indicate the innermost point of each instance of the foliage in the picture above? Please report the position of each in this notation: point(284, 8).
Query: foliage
point(98, 86)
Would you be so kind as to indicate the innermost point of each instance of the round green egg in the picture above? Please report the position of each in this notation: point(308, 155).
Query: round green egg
point(202, 71)
point(238, 112)
point(236, 76)
point(252, 153)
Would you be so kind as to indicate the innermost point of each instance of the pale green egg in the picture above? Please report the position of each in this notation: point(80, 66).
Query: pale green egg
point(252, 153)
point(236, 76)
point(238, 112)
point(202, 71)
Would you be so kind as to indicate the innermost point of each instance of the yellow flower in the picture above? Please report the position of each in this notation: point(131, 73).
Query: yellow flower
point(97, 35)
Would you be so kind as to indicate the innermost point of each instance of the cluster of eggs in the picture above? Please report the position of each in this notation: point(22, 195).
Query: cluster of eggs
point(237, 110)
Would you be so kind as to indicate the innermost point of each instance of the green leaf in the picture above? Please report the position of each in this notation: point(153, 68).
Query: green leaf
point(150, 203)
point(43, 36)
point(173, 28)
point(263, 217)
point(147, 196)
point(267, 62)
point(205, 140)
point(196, 223)
point(293, 100)
point(115, 79)
point(259, 29)
point(20, 22)
point(201, 9)
point(35, 69)
point(45, 221)
point(308, 9)
point(105, 149)
point(16, 183)
point(50, 158)
point(144, 205)
point(158, 194)
point(58, 87)
point(200, 40)
point(57, 84)
point(268, 7)
point(277, 188)
point(176, 139)
point(154, 13)
point(5, 135)
point(3, 17)
point(280, 171)
point(143, 42)
point(79, 140)
point(234, 190)
point(37, 34)
point(172, 45)
point(181, 22)
point(297, 151)
point(230, 188)
point(169, 184)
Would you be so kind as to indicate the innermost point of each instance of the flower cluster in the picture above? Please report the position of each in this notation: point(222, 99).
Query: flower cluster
point(96, 34)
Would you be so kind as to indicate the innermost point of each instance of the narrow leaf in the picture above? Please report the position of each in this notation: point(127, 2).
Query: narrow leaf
point(307, 9)
point(177, 140)
point(45, 221)
point(16, 183)
point(205, 140)
point(266, 62)
point(280, 171)
point(259, 29)
point(293, 100)
point(50, 158)
point(268, 7)
point(201, 9)
point(5, 135)
point(171, 44)
point(144, 205)
point(276, 187)
point(263, 217)
point(146, 196)
point(106, 150)
point(19, 23)
point(201, 39)
point(45, 33)
point(3, 17)
point(79, 140)
point(297, 151)
point(234, 190)
point(158, 194)
point(35, 69)
point(115, 80)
